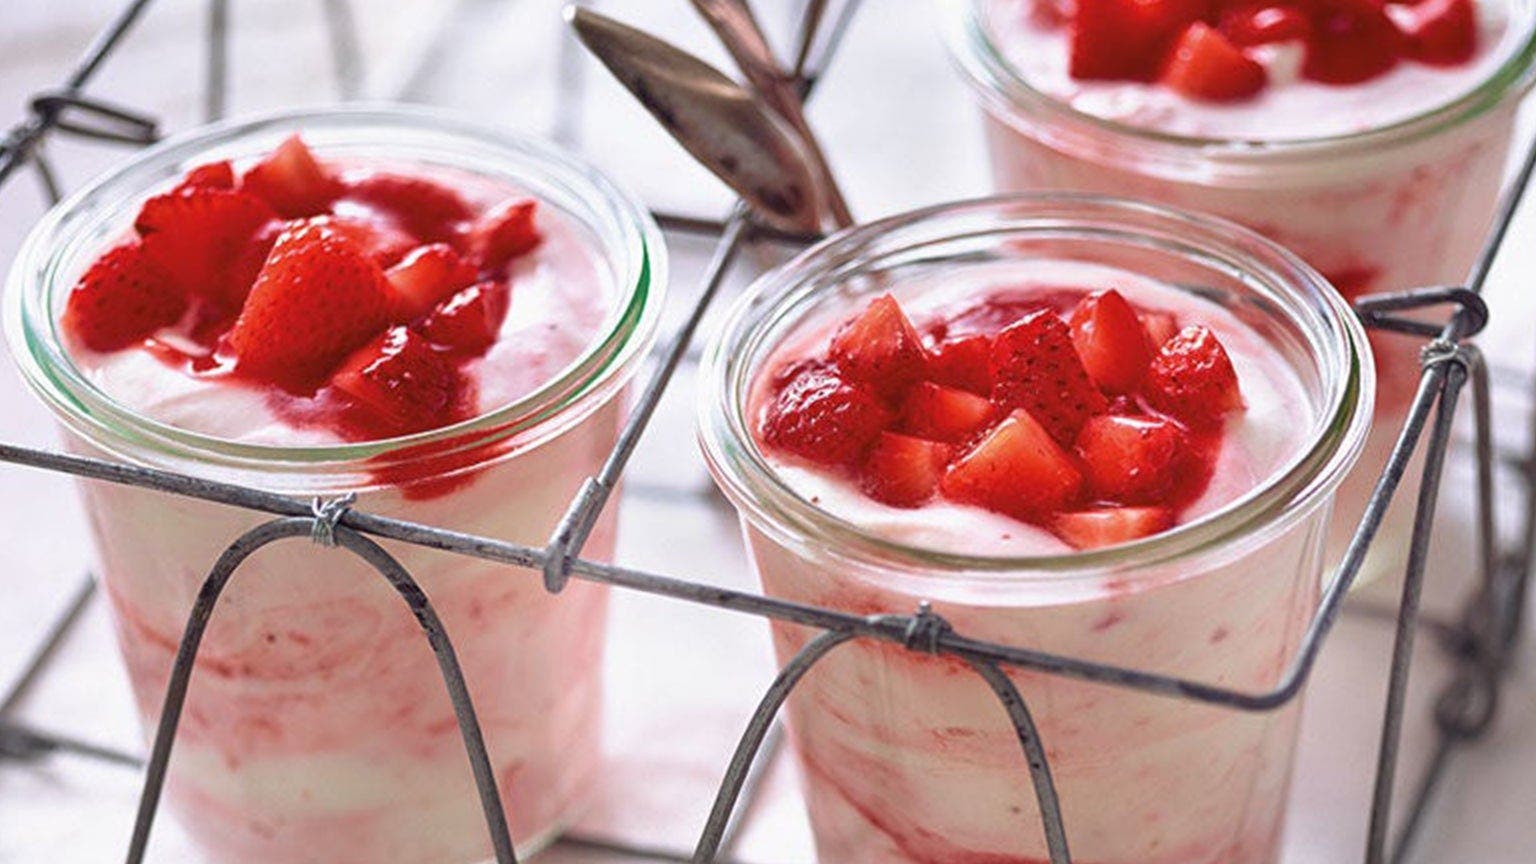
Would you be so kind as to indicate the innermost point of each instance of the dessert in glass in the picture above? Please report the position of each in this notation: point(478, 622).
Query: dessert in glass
point(1369, 138)
point(438, 318)
point(1096, 428)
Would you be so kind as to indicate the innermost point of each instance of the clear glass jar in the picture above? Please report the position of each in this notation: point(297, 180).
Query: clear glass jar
point(317, 727)
point(908, 757)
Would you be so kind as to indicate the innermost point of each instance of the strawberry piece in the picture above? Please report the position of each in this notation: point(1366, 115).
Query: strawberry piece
point(504, 233)
point(425, 278)
point(214, 175)
point(1036, 368)
point(823, 418)
point(903, 471)
point(1111, 526)
point(1205, 66)
point(1352, 41)
point(944, 414)
point(1110, 340)
point(401, 381)
point(880, 348)
point(1160, 326)
point(315, 301)
point(469, 322)
point(378, 240)
point(198, 235)
point(1132, 460)
point(1440, 32)
point(964, 363)
point(1126, 39)
point(123, 298)
point(243, 269)
point(1018, 469)
point(292, 180)
point(429, 210)
point(1247, 26)
point(1192, 378)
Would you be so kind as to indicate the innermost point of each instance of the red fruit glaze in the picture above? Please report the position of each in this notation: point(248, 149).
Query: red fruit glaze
point(1111, 341)
point(824, 418)
point(1111, 526)
point(1205, 66)
point(469, 321)
point(945, 414)
point(379, 241)
point(505, 232)
point(903, 471)
point(292, 181)
point(1036, 367)
point(431, 211)
point(123, 298)
point(1192, 378)
point(880, 349)
point(424, 278)
point(1440, 32)
point(398, 379)
point(1017, 469)
point(1261, 24)
point(1132, 460)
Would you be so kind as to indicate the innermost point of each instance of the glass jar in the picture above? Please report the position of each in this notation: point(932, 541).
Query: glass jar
point(318, 727)
point(909, 757)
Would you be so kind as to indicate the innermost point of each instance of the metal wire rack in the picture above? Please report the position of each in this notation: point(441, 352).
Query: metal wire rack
point(1481, 639)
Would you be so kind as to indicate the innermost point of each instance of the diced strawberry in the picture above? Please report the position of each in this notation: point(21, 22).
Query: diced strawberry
point(1440, 32)
point(1132, 460)
point(1018, 469)
point(1204, 65)
point(1261, 24)
point(1111, 526)
point(429, 210)
point(1036, 368)
point(505, 232)
point(1126, 39)
point(199, 233)
point(880, 348)
point(401, 380)
point(1352, 41)
point(469, 321)
point(964, 363)
point(945, 414)
point(292, 181)
point(242, 271)
point(123, 298)
point(1160, 326)
point(903, 471)
point(317, 300)
point(823, 418)
point(1192, 378)
point(214, 175)
point(1110, 340)
point(381, 242)
point(425, 278)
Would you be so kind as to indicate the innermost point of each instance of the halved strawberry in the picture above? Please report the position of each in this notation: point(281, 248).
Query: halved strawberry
point(944, 414)
point(880, 348)
point(1440, 32)
point(1036, 368)
point(1018, 469)
point(123, 298)
point(1111, 526)
point(315, 301)
point(821, 417)
point(1160, 326)
point(903, 471)
point(1110, 340)
point(380, 241)
point(964, 363)
point(1132, 460)
point(1352, 41)
point(429, 210)
point(214, 175)
point(1126, 39)
point(1192, 378)
point(292, 180)
point(1205, 66)
point(503, 233)
point(1265, 24)
point(425, 278)
point(469, 321)
point(198, 234)
point(401, 380)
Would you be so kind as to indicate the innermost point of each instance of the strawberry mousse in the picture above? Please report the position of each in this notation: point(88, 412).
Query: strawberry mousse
point(438, 319)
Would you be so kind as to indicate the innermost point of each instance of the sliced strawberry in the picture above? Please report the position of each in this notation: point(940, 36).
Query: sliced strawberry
point(242, 271)
point(123, 298)
point(1352, 41)
point(880, 348)
point(945, 414)
point(292, 180)
point(903, 471)
point(316, 300)
point(470, 320)
point(1261, 24)
point(381, 242)
point(429, 210)
point(823, 418)
point(214, 175)
point(1440, 32)
point(1126, 39)
point(401, 380)
point(505, 232)
point(1192, 378)
point(1205, 66)
point(964, 363)
point(1132, 460)
point(1110, 340)
point(425, 278)
point(1160, 326)
point(199, 233)
point(1018, 469)
point(1111, 526)
point(1036, 368)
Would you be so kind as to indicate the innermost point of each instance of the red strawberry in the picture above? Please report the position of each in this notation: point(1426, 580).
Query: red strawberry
point(903, 471)
point(1160, 326)
point(199, 234)
point(503, 233)
point(944, 414)
point(1110, 340)
point(880, 348)
point(401, 381)
point(965, 363)
point(214, 175)
point(1440, 32)
point(425, 278)
point(1017, 469)
point(242, 271)
point(1192, 378)
point(1352, 41)
point(470, 320)
point(1259, 24)
point(1037, 369)
point(379, 241)
point(317, 299)
point(292, 180)
point(1204, 65)
point(1111, 526)
point(431, 211)
point(1126, 39)
point(123, 298)
point(823, 418)
point(1132, 460)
